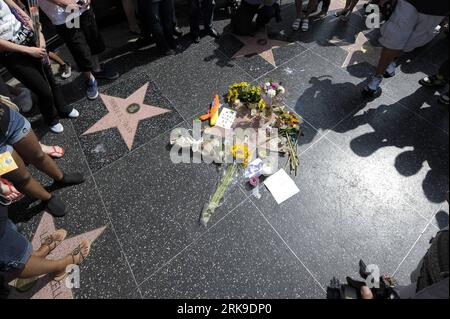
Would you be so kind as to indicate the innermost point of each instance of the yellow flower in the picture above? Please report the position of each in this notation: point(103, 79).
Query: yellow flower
point(262, 104)
point(241, 152)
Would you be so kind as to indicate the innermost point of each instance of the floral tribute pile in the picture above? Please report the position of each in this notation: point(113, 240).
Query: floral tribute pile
point(258, 107)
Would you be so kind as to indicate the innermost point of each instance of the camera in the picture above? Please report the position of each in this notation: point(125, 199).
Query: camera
point(352, 289)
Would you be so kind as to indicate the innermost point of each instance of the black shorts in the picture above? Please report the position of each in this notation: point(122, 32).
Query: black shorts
point(83, 42)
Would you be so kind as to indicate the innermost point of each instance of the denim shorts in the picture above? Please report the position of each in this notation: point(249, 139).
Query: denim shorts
point(18, 128)
point(15, 249)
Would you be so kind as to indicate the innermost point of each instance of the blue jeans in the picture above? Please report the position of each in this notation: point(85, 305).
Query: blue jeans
point(18, 128)
point(15, 249)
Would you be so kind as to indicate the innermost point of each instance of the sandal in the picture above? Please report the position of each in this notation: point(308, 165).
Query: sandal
point(54, 240)
point(305, 25)
point(53, 151)
point(76, 252)
point(296, 24)
point(8, 193)
point(432, 81)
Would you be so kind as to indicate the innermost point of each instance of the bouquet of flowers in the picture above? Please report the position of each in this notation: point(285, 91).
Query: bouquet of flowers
point(289, 126)
point(241, 156)
point(273, 89)
point(246, 94)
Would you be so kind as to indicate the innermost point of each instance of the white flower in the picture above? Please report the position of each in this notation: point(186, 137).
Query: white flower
point(281, 90)
point(267, 85)
point(272, 93)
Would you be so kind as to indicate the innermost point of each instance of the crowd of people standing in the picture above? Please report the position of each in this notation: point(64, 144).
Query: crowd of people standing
point(24, 54)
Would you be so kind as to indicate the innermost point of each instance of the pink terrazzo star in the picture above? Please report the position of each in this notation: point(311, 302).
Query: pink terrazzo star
point(259, 44)
point(45, 287)
point(360, 51)
point(125, 114)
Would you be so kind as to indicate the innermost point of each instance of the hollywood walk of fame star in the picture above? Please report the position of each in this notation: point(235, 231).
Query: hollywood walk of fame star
point(45, 287)
point(360, 51)
point(259, 44)
point(125, 114)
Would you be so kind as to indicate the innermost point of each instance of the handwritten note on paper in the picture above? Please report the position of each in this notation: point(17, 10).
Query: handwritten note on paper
point(226, 118)
point(281, 186)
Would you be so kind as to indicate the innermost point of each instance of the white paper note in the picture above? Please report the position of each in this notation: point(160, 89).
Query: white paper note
point(226, 118)
point(281, 186)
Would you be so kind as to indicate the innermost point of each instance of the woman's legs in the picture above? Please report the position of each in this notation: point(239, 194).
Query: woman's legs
point(31, 152)
point(30, 72)
point(349, 6)
point(352, 5)
point(298, 8)
point(130, 12)
point(166, 15)
point(24, 182)
point(38, 266)
point(312, 5)
point(58, 99)
point(55, 57)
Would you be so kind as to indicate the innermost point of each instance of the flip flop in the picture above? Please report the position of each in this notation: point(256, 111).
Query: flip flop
point(51, 242)
point(5, 198)
point(56, 151)
point(75, 252)
point(296, 24)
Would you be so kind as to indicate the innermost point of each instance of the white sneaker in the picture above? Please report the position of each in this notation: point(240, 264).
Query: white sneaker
point(305, 25)
point(73, 114)
point(57, 128)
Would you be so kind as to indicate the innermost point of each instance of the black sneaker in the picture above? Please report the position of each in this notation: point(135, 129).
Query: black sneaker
point(106, 74)
point(71, 179)
point(56, 207)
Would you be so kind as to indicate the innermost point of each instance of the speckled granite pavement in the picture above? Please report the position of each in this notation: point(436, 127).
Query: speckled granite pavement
point(373, 175)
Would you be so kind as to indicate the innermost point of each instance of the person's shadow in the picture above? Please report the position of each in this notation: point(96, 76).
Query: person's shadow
point(329, 106)
point(394, 125)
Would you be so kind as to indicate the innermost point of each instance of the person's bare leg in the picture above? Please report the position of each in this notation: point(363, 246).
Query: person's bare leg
point(352, 5)
point(55, 57)
point(88, 76)
point(387, 56)
point(38, 266)
point(312, 5)
point(346, 8)
point(24, 182)
point(31, 152)
point(298, 8)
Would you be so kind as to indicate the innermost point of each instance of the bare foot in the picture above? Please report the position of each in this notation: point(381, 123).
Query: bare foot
point(50, 243)
point(8, 191)
point(53, 151)
point(77, 256)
